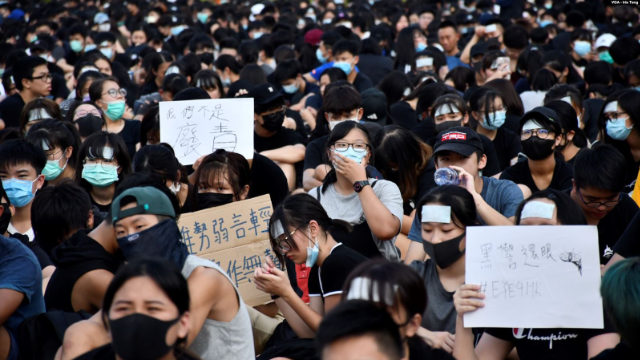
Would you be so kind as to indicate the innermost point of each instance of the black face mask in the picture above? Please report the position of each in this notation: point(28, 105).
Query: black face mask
point(209, 200)
point(536, 148)
point(446, 252)
point(161, 240)
point(139, 336)
point(446, 125)
point(273, 122)
point(5, 218)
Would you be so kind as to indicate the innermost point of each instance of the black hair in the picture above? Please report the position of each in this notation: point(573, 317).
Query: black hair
point(228, 61)
point(345, 45)
point(19, 151)
point(93, 148)
point(334, 74)
point(462, 77)
point(85, 77)
point(253, 74)
point(55, 133)
point(624, 49)
point(200, 42)
point(482, 101)
point(142, 179)
point(95, 90)
point(214, 167)
point(340, 131)
point(515, 37)
point(357, 318)
point(510, 98)
point(463, 207)
point(601, 167)
point(568, 212)
point(632, 68)
point(249, 51)
point(24, 68)
point(599, 72)
point(174, 83)
point(568, 120)
point(58, 212)
point(341, 99)
point(286, 70)
point(50, 107)
point(628, 100)
point(157, 160)
point(543, 80)
point(393, 85)
point(453, 99)
point(529, 61)
point(559, 91)
point(150, 125)
point(490, 57)
point(448, 23)
point(556, 60)
point(208, 80)
point(151, 63)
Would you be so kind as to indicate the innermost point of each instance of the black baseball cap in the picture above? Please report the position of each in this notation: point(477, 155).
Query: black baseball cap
point(266, 97)
point(459, 139)
point(543, 115)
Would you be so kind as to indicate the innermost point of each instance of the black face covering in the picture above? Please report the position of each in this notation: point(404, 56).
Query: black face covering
point(273, 122)
point(162, 240)
point(536, 148)
point(446, 252)
point(209, 200)
point(446, 125)
point(139, 336)
point(5, 218)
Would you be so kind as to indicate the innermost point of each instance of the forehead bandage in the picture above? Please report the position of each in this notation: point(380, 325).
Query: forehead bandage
point(567, 99)
point(436, 213)
point(277, 229)
point(365, 289)
point(39, 114)
point(45, 145)
point(537, 209)
point(531, 125)
point(424, 61)
point(611, 107)
point(446, 109)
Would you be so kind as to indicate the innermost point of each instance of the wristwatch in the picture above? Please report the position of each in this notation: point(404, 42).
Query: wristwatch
point(359, 185)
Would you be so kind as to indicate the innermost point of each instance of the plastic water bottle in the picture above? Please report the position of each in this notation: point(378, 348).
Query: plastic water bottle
point(446, 176)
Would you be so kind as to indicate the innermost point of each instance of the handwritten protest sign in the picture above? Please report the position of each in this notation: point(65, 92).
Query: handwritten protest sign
point(199, 127)
point(535, 276)
point(236, 237)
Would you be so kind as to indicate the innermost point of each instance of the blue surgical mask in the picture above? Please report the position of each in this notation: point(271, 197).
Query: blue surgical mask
point(543, 23)
point(495, 120)
point(100, 174)
point(290, 89)
point(637, 88)
point(312, 253)
point(76, 46)
point(352, 154)
point(19, 192)
point(581, 47)
point(202, 17)
point(257, 34)
point(321, 58)
point(89, 47)
point(420, 47)
point(344, 66)
point(225, 82)
point(617, 129)
point(53, 169)
point(606, 57)
point(176, 30)
point(115, 110)
point(108, 52)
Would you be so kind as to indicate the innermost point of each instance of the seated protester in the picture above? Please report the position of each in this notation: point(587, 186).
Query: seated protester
point(110, 97)
point(400, 290)
point(263, 168)
point(60, 142)
point(33, 80)
point(573, 139)
point(497, 343)
point(404, 159)
point(358, 329)
point(284, 146)
point(617, 127)
point(159, 160)
point(84, 266)
point(87, 118)
point(572, 96)
point(619, 291)
point(489, 113)
point(220, 178)
point(345, 57)
point(540, 135)
point(460, 149)
point(104, 162)
point(450, 110)
point(288, 75)
point(372, 207)
point(228, 69)
point(20, 292)
point(171, 85)
point(138, 330)
point(209, 81)
point(314, 102)
point(324, 54)
point(38, 110)
point(598, 185)
point(445, 212)
point(300, 230)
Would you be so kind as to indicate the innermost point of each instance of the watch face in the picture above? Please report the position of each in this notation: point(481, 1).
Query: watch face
point(357, 187)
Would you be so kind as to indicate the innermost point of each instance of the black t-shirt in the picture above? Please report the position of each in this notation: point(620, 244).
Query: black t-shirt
point(376, 67)
point(419, 350)
point(329, 279)
point(613, 225)
point(548, 344)
point(628, 245)
point(622, 351)
point(10, 109)
point(520, 174)
point(41, 255)
point(507, 145)
point(314, 154)
point(267, 178)
point(362, 82)
point(402, 114)
point(130, 133)
point(282, 137)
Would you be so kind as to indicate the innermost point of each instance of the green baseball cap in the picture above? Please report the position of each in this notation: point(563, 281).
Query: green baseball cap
point(149, 199)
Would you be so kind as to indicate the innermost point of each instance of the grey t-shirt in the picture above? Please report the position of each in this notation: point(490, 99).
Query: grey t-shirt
point(440, 314)
point(349, 209)
point(502, 195)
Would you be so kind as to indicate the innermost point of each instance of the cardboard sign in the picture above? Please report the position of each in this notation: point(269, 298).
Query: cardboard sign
point(199, 127)
point(234, 236)
point(535, 276)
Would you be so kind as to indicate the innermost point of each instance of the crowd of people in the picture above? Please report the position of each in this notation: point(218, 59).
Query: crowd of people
point(382, 129)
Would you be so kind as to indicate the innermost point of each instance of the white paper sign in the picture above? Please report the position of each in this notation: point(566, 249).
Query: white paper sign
point(535, 276)
point(199, 127)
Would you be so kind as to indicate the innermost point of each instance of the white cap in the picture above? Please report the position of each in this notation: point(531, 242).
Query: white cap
point(605, 40)
point(257, 9)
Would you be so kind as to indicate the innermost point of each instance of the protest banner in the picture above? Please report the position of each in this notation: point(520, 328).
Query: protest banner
point(199, 127)
point(535, 276)
point(234, 236)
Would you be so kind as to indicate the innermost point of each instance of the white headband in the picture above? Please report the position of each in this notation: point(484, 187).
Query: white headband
point(424, 61)
point(361, 287)
point(39, 114)
point(537, 209)
point(531, 125)
point(436, 213)
point(567, 99)
point(452, 109)
point(277, 229)
point(611, 107)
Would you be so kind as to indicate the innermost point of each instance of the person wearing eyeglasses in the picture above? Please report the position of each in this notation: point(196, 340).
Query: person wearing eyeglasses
point(110, 98)
point(598, 183)
point(540, 136)
point(33, 80)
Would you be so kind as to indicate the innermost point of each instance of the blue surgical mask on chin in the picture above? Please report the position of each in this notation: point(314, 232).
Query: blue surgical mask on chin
point(312, 253)
point(352, 154)
point(617, 129)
